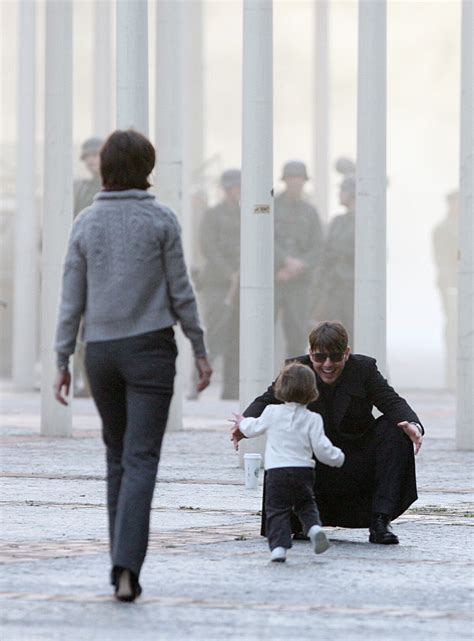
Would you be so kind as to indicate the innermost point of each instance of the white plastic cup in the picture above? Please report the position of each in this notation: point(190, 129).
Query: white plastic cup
point(252, 464)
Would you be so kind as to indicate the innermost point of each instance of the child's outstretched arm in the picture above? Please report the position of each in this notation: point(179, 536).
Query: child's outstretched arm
point(235, 433)
point(249, 427)
point(236, 436)
point(323, 449)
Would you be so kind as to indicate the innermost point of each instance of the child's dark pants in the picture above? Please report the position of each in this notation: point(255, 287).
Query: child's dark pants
point(288, 489)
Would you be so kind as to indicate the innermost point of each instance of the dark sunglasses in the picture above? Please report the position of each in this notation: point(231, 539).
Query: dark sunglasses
point(334, 357)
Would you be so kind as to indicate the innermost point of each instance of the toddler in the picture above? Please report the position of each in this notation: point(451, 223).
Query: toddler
point(293, 434)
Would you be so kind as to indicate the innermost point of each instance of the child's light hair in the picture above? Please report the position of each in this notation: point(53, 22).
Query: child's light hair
point(296, 383)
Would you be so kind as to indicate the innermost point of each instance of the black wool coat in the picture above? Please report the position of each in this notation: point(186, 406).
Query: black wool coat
point(351, 426)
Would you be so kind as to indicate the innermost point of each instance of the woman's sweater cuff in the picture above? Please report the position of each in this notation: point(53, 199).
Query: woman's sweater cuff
point(62, 360)
point(199, 348)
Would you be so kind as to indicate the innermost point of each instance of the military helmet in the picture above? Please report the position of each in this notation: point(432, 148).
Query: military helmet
point(345, 166)
point(91, 146)
point(294, 168)
point(230, 178)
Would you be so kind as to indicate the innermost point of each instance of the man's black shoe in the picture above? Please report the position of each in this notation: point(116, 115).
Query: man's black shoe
point(381, 530)
point(299, 536)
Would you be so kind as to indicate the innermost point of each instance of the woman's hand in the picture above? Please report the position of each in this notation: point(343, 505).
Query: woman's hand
point(205, 373)
point(61, 386)
point(413, 433)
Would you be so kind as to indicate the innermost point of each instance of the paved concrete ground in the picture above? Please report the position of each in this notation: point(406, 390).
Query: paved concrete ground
point(207, 574)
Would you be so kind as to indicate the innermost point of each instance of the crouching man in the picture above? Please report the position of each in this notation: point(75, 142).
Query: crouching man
point(377, 482)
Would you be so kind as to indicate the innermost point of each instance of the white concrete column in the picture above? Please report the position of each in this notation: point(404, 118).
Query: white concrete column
point(169, 145)
point(102, 68)
point(193, 149)
point(465, 353)
point(256, 239)
point(55, 419)
point(132, 65)
point(371, 177)
point(321, 124)
point(26, 283)
point(193, 117)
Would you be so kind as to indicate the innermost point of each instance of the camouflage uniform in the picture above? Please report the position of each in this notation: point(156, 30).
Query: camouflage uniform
point(445, 245)
point(335, 293)
point(298, 234)
point(84, 191)
point(220, 246)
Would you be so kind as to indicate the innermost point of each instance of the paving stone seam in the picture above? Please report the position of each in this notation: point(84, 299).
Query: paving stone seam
point(90, 477)
point(462, 515)
point(233, 605)
point(159, 508)
point(88, 433)
point(177, 549)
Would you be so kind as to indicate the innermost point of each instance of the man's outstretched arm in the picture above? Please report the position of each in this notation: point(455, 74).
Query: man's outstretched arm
point(395, 408)
point(257, 406)
point(387, 401)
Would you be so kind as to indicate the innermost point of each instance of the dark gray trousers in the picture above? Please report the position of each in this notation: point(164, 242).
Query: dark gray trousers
point(288, 490)
point(132, 385)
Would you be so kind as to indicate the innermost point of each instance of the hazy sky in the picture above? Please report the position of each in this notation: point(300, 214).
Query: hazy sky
point(423, 137)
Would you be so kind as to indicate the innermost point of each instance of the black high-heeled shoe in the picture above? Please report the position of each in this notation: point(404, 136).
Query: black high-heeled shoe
point(127, 587)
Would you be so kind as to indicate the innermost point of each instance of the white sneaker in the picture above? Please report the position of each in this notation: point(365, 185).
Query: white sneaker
point(318, 539)
point(278, 555)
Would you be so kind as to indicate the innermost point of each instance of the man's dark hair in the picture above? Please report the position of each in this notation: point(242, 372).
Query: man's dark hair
point(127, 159)
point(296, 383)
point(328, 336)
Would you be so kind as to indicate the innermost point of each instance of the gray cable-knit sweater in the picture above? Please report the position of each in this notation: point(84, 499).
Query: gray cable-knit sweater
point(125, 274)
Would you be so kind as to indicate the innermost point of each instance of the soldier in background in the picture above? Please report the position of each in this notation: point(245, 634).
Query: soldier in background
point(298, 245)
point(334, 295)
point(445, 246)
point(84, 191)
point(86, 188)
point(219, 280)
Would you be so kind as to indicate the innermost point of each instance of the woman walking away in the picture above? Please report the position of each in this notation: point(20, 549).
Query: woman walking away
point(293, 434)
point(125, 274)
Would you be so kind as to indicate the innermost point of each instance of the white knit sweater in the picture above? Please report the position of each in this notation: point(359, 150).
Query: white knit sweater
point(293, 434)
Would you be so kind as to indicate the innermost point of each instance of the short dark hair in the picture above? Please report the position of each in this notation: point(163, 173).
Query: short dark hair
point(329, 336)
point(127, 159)
point(296, 383)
